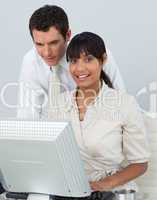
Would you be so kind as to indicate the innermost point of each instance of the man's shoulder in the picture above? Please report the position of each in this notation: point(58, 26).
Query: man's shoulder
point(29, 63)
point(30, 55)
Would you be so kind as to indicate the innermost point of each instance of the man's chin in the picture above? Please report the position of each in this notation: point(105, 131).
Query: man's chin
point(53, 63)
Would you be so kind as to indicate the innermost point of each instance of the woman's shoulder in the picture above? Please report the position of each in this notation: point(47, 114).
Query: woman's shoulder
point(120, 99)
point(118, 95)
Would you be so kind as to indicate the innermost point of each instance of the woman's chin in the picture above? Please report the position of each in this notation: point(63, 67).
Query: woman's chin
point(83, 86)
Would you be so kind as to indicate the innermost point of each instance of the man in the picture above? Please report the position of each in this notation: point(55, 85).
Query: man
point(49, 28)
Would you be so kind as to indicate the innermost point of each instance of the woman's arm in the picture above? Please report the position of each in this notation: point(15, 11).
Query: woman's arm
point(127, 174)
point(134, 147)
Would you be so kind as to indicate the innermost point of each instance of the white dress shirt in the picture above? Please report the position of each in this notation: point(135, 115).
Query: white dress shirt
point(34, 78)
point(112, 132)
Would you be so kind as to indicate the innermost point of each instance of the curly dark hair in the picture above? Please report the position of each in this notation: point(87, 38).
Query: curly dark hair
point(47, 16)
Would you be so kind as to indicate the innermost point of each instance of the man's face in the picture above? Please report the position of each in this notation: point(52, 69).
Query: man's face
point(50, 45)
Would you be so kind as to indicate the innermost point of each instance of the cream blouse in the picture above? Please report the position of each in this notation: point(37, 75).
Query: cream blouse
point(112, 132)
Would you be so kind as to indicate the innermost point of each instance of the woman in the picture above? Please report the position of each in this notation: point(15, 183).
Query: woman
point(108, 125)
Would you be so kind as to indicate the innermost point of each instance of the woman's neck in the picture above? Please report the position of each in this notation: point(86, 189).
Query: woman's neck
point(85, 96)
point(88, 95)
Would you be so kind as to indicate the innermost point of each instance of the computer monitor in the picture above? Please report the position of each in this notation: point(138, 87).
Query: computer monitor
point(41, 157)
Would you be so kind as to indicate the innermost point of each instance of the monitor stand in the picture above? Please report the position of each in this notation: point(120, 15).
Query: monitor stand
point(38, 197)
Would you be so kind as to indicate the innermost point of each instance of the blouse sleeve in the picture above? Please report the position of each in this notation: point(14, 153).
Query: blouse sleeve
point(135, 141)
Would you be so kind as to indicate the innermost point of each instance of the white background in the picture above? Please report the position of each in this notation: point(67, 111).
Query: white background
point(129, 29)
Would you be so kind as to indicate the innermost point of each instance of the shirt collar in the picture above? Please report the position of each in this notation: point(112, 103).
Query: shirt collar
point(63, 63)
point(102, 93)
point(104, 90)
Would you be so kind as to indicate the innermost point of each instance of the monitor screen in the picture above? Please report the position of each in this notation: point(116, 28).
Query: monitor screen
point(41, 157)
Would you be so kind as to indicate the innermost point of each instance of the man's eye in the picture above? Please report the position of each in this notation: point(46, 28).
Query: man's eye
point(54, 43)
point(39, 44)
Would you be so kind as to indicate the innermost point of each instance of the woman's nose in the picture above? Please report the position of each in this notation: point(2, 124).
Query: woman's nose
point(80, 66)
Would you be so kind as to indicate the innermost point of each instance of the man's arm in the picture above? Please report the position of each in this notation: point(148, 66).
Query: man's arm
point(112, 70)
point(29, 91)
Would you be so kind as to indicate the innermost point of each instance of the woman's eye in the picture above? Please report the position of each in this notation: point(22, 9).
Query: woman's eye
point(73, 61)
point(89, 58)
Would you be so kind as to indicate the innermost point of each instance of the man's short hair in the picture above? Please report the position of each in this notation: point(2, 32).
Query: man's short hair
point(47, 16)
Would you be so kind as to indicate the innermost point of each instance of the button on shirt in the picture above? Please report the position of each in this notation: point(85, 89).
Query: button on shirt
point(112, 132)
point(34, 76)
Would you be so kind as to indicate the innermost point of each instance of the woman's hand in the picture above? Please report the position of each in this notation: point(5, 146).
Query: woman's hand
point(102, 185)
point(127, 174)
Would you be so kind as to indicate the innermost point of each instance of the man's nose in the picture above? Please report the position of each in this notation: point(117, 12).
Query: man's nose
point(47, 51)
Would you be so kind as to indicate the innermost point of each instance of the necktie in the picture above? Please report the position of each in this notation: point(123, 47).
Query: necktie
point(54, 90)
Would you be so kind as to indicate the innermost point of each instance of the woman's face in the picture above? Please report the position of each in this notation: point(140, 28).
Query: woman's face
point(86, 71)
